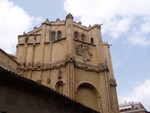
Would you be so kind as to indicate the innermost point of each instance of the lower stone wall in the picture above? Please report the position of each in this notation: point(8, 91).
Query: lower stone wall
point(21, 95)
point(8, 62)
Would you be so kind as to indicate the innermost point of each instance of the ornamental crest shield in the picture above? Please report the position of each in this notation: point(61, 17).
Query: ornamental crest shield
point(83, 51)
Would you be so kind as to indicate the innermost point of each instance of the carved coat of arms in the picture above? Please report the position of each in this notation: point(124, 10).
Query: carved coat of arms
point(83, 50)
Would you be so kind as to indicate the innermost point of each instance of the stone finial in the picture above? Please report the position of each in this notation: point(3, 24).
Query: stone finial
point(35, 27)
point(47, 20)
point(69, 16)
point(98, 26)
point(89, 26)
point(80, 23)
point(57, 20)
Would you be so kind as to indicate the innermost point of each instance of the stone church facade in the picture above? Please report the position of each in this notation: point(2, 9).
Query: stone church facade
point(72, 59)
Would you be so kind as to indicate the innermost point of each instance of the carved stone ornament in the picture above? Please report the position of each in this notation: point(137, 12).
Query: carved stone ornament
point(103, 66)
point(40, 66)
point(70, 58)
point(93, 68)
point(83, 50)
point(113, 82)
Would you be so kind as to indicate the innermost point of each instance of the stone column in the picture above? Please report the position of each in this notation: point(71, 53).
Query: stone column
point(70, 51)
point(111, 81)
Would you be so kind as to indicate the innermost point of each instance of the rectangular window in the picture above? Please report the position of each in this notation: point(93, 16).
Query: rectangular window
point(53, 36)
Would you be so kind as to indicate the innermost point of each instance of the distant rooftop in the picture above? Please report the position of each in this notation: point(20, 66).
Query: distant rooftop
point(132, 107)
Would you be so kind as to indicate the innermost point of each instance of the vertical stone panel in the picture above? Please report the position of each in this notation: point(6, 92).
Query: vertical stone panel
point(36, 54)
point(46, 54)
point(46, 78)
point(20, 53)
point(29, 53)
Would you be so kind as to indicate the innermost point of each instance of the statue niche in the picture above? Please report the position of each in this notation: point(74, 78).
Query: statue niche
point(83, 50)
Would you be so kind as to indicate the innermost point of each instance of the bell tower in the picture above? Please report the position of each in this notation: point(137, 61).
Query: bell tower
point(71, 59)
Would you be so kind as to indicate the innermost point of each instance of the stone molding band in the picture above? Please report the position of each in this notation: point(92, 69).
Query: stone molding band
point(57, 65)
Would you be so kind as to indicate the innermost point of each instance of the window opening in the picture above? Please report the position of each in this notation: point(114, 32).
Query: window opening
point(83, 37)
point(75, 35)
point(53, 36)
point(92, 41)
point(59, 35)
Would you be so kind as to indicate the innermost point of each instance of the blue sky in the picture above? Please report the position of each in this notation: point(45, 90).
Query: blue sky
point(126, 25)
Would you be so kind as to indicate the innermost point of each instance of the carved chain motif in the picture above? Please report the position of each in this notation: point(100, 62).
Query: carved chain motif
point(93, 68)
point(57, 65)
point(83, 50)
point(41, 66)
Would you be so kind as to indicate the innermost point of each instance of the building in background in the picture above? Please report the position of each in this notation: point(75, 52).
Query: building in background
point(132, 107)
point(72, 59)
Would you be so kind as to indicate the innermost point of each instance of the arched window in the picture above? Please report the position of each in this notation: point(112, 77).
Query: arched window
point(53, 36)
point(75, 35)
point(82, 37)
point(59, 35)
point(92, 41)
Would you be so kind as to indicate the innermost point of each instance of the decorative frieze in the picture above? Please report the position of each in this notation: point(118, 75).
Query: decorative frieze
point(57, 65)
point(89, 67)
point(41, 66)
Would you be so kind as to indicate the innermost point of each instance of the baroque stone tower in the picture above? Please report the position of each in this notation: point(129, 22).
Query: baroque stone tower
point(72, 59)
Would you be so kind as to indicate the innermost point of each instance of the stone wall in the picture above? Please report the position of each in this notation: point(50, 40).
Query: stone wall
point(7, 62)
point(21, 95)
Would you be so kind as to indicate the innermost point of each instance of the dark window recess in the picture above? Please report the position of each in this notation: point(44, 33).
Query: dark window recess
point(26, 39)
point(92, 41)
point(82, 37)
point(53, 36)
point(59, 35)
point(75, 35)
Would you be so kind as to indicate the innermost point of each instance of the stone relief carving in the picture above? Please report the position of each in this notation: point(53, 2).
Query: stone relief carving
point(113, 82)
point(57, 65)
point(103, 66)
point(39, 66)
point(83, 50)
point(88, 67)
point(100, 68)
point(42, 66)
point(70, 58)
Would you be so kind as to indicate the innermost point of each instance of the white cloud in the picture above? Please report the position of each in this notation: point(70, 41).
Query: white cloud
point(139, 94)
point(142, 41)
point(118, 16)
point(118, 26)
point(13, 22)
point(145, 28)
